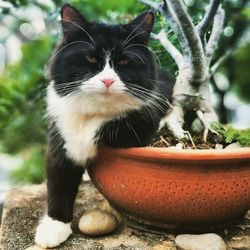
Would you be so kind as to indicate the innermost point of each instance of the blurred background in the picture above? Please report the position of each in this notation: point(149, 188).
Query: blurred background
point(29, 29)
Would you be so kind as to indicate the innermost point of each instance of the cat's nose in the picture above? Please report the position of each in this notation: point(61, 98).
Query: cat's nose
point(108, 81)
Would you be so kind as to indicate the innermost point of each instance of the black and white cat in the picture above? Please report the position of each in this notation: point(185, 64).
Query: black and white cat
point(105, 90)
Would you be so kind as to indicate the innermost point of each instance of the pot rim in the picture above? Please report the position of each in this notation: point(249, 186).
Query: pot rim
point(154, 153)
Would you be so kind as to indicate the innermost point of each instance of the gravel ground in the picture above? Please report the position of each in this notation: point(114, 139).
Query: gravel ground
point(7, 163)
point(25, 205)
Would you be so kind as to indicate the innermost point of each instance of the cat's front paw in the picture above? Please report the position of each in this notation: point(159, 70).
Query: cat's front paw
point(51, 233)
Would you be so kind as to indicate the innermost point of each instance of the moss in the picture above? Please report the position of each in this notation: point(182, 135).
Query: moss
point(233, 135)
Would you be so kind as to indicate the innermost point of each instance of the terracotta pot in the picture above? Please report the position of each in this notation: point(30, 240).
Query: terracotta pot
point(164, 187)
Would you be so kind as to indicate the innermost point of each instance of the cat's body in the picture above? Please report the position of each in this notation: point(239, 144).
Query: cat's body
point(105, 90)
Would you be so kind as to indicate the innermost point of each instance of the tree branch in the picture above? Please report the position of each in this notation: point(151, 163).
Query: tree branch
point(221, 60)
point(203, 26)
point(216, 33)
point(163, 9)
point(172, 22)
point(190, 34)
point(171, 49)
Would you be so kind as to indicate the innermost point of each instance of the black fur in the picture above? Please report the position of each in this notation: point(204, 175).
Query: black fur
point(68, 64)
point(63, 179)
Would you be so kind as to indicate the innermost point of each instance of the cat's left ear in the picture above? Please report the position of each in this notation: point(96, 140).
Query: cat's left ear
point(72, 22)
point(141, 26)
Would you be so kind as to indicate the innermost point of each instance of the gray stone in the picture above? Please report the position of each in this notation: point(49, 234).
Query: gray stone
point(234, 145)
point(209, 241)
point(197, 126)
point(97, 222)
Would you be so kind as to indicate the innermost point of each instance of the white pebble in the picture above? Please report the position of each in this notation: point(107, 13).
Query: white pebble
point(34, 248)
point(179, 145)
point(234, 146)
point(218, 146)
point(97, 222)
point(208, 241)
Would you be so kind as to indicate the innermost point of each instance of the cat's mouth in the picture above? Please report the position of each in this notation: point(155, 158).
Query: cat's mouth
point(106, 92)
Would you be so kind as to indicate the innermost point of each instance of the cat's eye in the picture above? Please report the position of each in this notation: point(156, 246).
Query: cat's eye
point(123, 62)
point(91, 59)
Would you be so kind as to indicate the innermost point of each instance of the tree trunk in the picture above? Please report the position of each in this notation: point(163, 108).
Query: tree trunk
point(191, 91)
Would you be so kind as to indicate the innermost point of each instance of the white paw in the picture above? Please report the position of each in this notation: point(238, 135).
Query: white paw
point(51, 233)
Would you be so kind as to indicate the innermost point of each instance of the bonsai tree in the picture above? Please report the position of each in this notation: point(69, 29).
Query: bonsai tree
point(191, 89)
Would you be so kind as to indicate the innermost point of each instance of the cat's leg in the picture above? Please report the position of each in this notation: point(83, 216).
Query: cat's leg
point(63, 179)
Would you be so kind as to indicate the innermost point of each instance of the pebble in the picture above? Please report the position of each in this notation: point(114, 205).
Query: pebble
point(97, 222)
point(179, 145)
point(34, 248)
point(208, 241)
point(218, 146)
point(197, 126)
point(234, 146)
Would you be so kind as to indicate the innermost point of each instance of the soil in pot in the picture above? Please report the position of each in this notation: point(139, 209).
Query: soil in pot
point(224, 136)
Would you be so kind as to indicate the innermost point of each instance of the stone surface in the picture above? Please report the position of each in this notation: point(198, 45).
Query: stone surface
point(218, 146)
point(234, 146)
point(24, 206)
point(209, 241)
point(34, 248)
point(179, 145)
point(97, 222)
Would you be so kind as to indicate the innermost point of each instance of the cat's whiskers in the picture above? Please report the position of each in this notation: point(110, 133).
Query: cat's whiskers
point(57, 139)
point(135, 55)
point(146, 96)
point(85, 90)
point(146, 91)
point(65, 46)
point(133, 130)
point(144, 46)
point(158, 96)
point(135, 44)
point(129, 35)
point(147, 100)
point(126, 41)
point(67, 86)
point(148, 111)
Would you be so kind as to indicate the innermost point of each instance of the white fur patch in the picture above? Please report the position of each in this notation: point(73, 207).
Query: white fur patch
point(79, 116)
point(51, 233)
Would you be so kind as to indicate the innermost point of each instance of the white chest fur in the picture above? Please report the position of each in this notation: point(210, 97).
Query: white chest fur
point(79, 134)
point(79, 118)
point(78, 129)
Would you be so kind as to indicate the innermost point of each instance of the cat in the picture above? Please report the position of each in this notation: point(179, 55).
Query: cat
point(105, 89)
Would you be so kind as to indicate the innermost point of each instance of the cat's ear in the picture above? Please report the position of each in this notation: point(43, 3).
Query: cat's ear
point(141, 26)
point(72, 21)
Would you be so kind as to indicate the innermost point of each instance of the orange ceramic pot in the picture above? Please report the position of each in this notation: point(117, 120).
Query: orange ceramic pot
point(167, 187)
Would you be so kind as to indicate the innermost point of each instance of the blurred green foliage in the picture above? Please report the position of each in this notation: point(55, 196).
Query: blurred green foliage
point(22, 87)
point(32, 169)
point(22, 110)
point(240, 72)
point(110, 10)
point(23, 84)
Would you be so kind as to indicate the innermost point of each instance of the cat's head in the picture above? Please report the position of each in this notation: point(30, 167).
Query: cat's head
point(106, 64)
